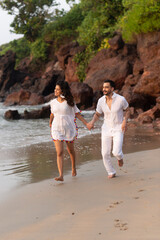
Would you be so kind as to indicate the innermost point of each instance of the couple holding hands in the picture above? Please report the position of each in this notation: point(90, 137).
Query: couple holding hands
point(64, 129)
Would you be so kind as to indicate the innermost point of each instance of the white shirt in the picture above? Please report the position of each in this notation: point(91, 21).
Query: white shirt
point(113, 117)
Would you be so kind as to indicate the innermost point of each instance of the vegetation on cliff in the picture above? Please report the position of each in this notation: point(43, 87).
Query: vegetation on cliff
point(90, 22)
point(139, 17)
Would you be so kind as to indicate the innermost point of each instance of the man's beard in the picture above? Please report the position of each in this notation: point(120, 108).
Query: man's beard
point(107, 93)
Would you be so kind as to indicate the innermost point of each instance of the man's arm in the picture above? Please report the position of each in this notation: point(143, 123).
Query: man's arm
point(94, 119)
point(126, 116)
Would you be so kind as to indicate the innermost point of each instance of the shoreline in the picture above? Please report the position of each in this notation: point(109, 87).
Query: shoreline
point(89, 206)
point(35, 163)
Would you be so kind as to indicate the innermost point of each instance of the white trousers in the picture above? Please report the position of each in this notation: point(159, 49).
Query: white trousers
point(115, 138)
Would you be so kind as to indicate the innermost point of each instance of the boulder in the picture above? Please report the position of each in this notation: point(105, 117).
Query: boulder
point(47, 82)
point(23, 97)
point(103, 67)
point(96, 96)
point(65, 57)
point(35, 99)
point(83, 94)
point(70, 72)
point(24, 65)
point(132, 80)
point(49, 98)
point(134, 99)
point(12, 115)
point(36, 114)
point(116, 42)
point(138, 67)
point(158, 100)
point(149, 83)
point(150, 115)
point(7, 72)
point(15, 98)
point(67, 51)
point(148, 49)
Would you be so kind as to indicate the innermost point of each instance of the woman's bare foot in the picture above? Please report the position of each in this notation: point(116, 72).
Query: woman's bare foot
point(120, 163)
point(74, 172)
point(60, 178)
point(112, 176)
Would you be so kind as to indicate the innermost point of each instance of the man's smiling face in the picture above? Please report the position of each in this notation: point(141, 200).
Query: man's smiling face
point(107, 89)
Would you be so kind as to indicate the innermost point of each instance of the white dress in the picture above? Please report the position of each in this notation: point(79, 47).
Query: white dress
point(63, 125)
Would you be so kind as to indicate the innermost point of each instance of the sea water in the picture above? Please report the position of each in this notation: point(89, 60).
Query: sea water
point(21, 133)
point(27, 153)
point(23, 143)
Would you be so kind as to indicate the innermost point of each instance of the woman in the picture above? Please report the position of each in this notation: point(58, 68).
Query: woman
point(63, 126)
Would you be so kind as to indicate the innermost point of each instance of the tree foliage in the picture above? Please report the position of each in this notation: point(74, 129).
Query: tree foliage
point(64, 26)
point(39, 50)
point(90, 22)
point(140, 17)
point(21, 47)
point(30, 16)
point(99, 22)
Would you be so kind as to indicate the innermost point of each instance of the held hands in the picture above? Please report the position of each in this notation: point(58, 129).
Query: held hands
point(90, 125)
point(124, 125)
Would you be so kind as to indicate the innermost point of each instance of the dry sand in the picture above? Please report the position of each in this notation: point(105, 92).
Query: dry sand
point(89, 206)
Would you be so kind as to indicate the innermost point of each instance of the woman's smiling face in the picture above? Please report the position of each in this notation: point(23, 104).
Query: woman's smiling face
point(57, 91)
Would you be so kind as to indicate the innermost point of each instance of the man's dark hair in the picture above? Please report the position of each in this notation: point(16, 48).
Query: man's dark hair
point(112, 84)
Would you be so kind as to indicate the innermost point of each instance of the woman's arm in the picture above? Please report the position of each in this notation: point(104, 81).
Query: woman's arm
point(79, 116)
point(89, 125)
point(51, 119)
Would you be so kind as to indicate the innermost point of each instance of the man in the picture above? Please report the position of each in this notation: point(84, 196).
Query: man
point(111, 105)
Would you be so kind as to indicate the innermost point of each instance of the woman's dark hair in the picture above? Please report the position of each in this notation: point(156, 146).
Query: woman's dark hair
point(112, 84)
point(66, 92)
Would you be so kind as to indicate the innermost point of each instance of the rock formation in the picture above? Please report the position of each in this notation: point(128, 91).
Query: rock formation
point(133, 67)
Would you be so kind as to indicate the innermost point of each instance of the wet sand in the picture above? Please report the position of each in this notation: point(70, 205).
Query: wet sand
point(35, 163)
point(89, 206)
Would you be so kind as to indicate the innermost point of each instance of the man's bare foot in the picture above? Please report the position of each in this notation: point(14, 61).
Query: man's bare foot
point(120, 163)
point(59, 179)
point(112, 176)
point(74, 172)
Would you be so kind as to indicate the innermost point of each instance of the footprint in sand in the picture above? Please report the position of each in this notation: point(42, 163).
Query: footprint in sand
point(121, 225)
point(136, 198)
point(113, 205)
point(141, 190)
point(124, 171)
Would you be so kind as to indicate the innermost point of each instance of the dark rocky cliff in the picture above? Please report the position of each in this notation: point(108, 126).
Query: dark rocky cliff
point(135, 68)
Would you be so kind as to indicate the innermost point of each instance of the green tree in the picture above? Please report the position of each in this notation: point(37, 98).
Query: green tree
point(63, 28)
point(39, 50)
point(30, 16)
point(100, 18)
point(20, 46)
point(140, 17)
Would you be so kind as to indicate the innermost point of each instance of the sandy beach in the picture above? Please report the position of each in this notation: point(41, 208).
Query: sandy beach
point(89, 206)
